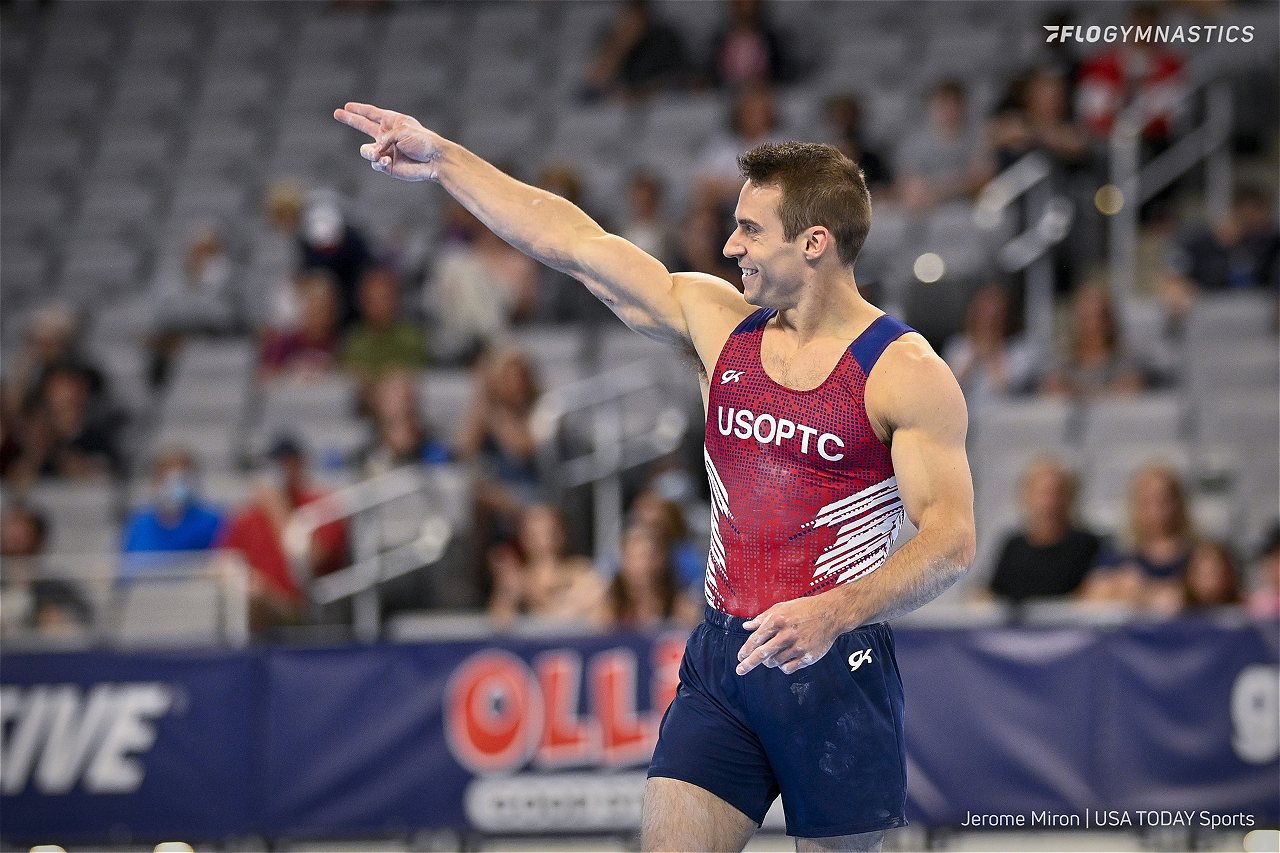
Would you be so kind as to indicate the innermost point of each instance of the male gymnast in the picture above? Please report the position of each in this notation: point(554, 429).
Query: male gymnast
point(826, 420)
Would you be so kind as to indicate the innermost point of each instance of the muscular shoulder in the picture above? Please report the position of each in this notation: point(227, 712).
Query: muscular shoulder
point(712, 309)
point(911, 386)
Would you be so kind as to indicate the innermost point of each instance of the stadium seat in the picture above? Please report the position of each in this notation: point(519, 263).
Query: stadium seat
point(96, 268)
point(1131, 419)
point(214, 446)
point(1022, 424)
point(446, 396)
point(170, 610)
point(1230, 317)
point(556, 351)
point(1235, 365)
point(286, 401)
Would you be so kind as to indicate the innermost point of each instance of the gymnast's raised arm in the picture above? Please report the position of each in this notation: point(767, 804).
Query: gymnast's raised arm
point(685, 308)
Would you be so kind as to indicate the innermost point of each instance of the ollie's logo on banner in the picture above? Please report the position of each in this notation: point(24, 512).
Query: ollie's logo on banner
point(502, 713)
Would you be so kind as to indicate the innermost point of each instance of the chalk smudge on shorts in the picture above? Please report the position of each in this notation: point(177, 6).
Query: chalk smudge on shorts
point(800, 690)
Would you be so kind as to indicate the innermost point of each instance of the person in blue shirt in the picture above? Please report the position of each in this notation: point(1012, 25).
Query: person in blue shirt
point(175, 519)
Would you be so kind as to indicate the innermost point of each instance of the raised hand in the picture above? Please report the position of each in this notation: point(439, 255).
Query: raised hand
point(401, 147)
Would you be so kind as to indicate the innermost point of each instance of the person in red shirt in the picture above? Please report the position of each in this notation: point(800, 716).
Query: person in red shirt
point(1115, 78)
point(256, 531)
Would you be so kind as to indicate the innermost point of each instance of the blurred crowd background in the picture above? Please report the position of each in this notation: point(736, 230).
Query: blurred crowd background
point(236, 359)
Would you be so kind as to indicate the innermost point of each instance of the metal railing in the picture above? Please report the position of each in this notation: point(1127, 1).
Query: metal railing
point(1139, 182)
point(374, 559)
point(630, 419)
point(1049, 215)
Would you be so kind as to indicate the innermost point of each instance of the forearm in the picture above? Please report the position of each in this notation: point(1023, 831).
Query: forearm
point(916, 574)
point(539, 223)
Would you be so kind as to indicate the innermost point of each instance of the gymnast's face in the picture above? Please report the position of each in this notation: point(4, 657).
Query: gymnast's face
point(772, 266)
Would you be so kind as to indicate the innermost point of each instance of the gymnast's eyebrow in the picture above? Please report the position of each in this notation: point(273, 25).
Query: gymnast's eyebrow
point(745, 223)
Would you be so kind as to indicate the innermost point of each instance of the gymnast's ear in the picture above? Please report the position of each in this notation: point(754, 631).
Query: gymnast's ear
point(816, 241)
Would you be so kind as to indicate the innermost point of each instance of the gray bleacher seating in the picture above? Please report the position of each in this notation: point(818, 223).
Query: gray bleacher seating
point(112, 206)
point(96, 268)
point(205, 399)
point(1235, 365)
point(1021, 425)
point(170, 611)
point(446, 396)
point(228, 359)
point(214, 445)
point(1217, 318)
point(1131, 419)
point(83, 514)
point(682, 124)
point(288, 401)
point(556, 352)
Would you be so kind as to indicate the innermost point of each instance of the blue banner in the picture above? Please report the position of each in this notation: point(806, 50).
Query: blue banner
point(554, 735)
point(100, 746)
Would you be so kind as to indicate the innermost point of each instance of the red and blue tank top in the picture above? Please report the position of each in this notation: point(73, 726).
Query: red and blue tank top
point(803, 494)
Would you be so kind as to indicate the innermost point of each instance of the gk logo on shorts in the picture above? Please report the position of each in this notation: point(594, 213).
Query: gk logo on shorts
point(858, 658)
point(730, 376)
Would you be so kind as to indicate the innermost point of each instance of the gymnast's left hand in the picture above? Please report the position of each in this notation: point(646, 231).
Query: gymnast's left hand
point(789, 636)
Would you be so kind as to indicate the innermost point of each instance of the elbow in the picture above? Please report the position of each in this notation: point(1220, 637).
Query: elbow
point(965, 549)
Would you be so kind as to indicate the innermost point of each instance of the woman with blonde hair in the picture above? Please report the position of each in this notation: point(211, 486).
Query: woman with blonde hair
point(1159, 543)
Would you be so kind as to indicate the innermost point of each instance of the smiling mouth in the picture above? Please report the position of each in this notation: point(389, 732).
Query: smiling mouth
point(747, 272)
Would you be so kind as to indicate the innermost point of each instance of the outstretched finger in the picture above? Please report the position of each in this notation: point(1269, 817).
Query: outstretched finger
point(357, 121)
point(369, 111)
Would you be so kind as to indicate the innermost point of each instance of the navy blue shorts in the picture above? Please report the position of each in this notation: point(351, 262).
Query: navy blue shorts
point(828, 737)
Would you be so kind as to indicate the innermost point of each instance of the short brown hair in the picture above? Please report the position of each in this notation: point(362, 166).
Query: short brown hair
point(820, 186)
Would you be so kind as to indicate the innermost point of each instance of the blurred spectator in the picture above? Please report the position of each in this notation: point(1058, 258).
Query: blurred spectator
point(701, 241)
point(1059, 55)
point(646, 223)
point(65, 435)
point(753, 120)
point(1137, 71)
point(843, 114)
point(257, 530)
point(313, 347)
point(747, 50)
point(1160, 541)
point(329, 242)
point(401, 437)
point(946, 159)
point(31, 600)
point(175, 518)
point(382, 340)
point(1212, 578)
point(1096, 361)
point(478, 287)
point(688, 557)
point(1240, 252)
point(987, 359)
point(1264, 599)
point(277, 257)
point(1051, 555)
point(1036, 116)
point(639, 55)
point(538, 577)
point(645, 592)
point(194, 299)
point(52, 340)
point(498, 431)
